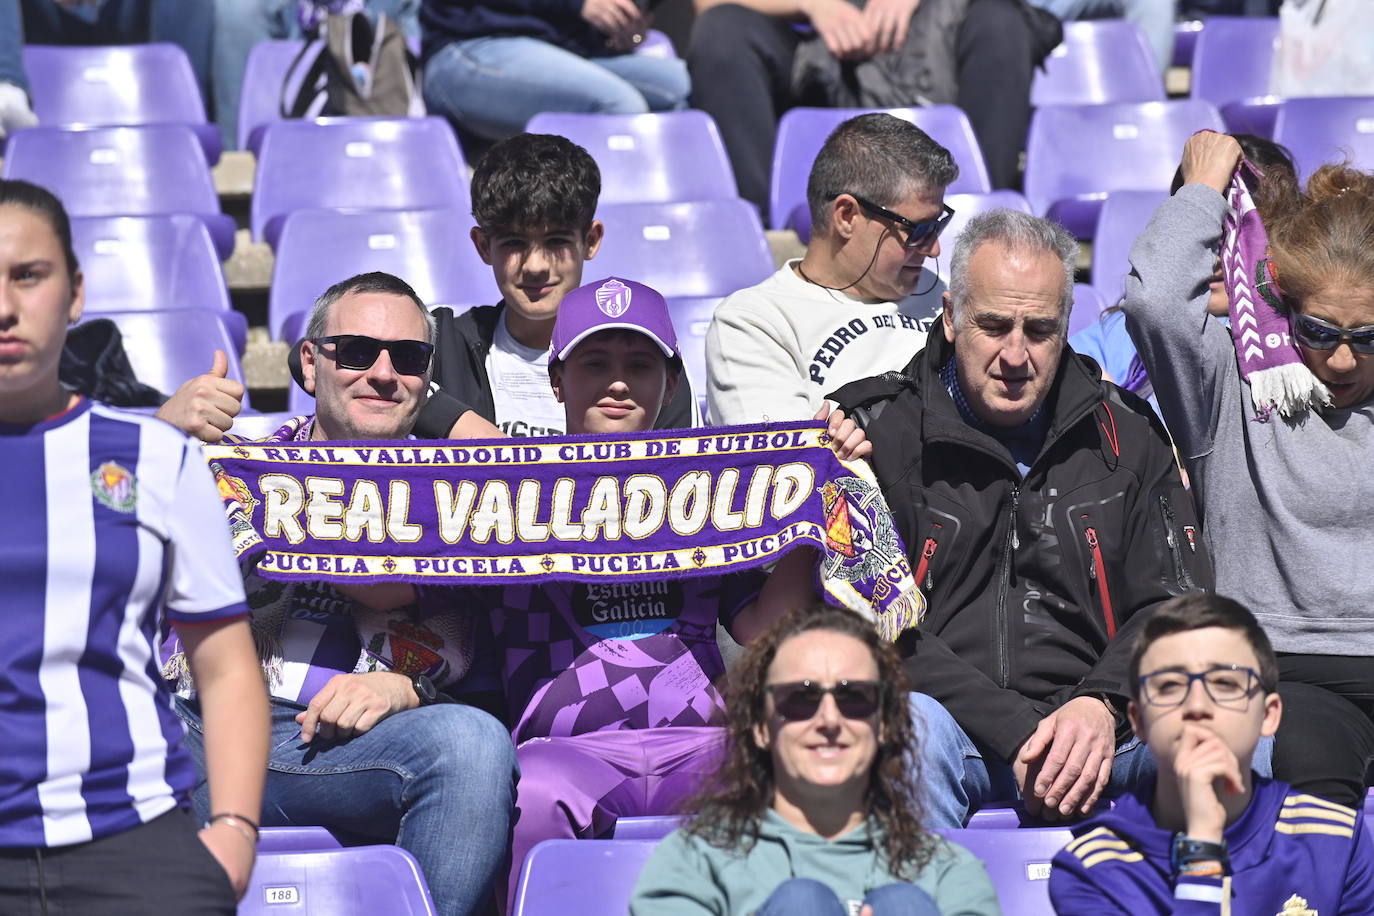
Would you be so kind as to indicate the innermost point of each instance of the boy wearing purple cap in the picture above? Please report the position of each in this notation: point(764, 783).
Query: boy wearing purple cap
point(611, 687)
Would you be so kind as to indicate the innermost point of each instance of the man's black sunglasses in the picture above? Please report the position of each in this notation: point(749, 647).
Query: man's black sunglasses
point(918, 234)
point(358, 352)
point(798, 701)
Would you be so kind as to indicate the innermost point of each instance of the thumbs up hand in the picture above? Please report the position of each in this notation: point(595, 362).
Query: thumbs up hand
point(206, 405)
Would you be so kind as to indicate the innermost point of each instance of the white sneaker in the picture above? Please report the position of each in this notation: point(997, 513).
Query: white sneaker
point(15, 112)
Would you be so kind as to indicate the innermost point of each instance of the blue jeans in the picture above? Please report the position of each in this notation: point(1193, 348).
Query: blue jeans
point(493, 86)
point(809, 897)
point(183, 22)
point(1153, 17)
point(959, 779)
point(438, 781)
point(240, 24)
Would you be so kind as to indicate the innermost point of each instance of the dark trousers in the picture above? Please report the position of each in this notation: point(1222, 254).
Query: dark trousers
point(159, 867)
point(741, 66)
point(1325, 742)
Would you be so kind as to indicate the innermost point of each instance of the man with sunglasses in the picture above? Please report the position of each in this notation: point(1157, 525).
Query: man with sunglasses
point(366, 739)
point(861, 300)
point(1209, 835)
point(1042, 512)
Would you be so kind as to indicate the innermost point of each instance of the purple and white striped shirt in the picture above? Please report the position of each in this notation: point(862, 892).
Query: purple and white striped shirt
point(113, 521)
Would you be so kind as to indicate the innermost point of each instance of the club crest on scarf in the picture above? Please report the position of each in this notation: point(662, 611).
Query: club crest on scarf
point(115, 487)
point(613, 298)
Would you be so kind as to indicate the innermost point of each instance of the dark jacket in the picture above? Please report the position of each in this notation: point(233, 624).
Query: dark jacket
point(558, 22)
point(460, 375)
point(1035, 586)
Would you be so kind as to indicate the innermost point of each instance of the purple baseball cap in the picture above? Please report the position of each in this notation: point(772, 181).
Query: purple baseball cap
point(613, 303)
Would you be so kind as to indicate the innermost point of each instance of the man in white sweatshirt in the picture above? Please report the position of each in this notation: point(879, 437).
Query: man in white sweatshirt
point(861, 301)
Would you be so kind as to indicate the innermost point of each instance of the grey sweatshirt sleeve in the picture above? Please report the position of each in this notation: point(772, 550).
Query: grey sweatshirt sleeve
point(1187, 354)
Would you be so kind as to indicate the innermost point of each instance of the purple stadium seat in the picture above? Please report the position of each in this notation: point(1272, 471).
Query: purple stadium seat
point(1001, 817)
point(1186, 34)
point(252, 425)
point(966, 207)
point(648, 158)
point(691, 318)
point(703, 248)
point(580, 877)
point(361, 881)
point(1102, 60)
point(653, 827)
point(1018, 862)
point(1326, 130)
point(1087, 307)
point(168, 348)
point(1122, 219)
point(288, 839)
point(657, 44)
point(429, 249)
point(122, 171)
point(148, 262)
point(260, 94)
point(116, 85)
point(1231, 68)
point(356, 163)
point(803, 131)
point(1076, 154)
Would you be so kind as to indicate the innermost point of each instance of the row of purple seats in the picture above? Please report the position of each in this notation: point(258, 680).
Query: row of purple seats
point(597, 877)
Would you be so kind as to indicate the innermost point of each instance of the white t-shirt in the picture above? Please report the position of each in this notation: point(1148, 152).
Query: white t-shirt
point(525, 405)
point(774, 350)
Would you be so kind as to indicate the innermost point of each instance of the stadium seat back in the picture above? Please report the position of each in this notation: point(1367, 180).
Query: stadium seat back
point(1123, 217)
point(649, 158)
point(1018, 862)
point(1076, 154)
point(133, 263)
point(581, 877)
point(698, 249)
point(803, 131)
point(289, 839)
point(1318, 131)
point(260, 92)
point(171, 347)
point(691, 319)
point(1233, 58)
point(429, 249)
point(109, 85)
point(356, 163)
point(1087, 307)
point(651, 827)
point(122, 171)
point(1101, 60)
point(359, 881)
point(966, 207)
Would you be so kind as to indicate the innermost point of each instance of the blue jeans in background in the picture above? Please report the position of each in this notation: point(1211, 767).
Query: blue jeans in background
point(493, 86)
point(240, 24)
point(1153, 17)
point(438, 781)
point(809, 897)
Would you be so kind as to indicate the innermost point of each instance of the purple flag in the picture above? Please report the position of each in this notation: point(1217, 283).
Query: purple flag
point(585, 508)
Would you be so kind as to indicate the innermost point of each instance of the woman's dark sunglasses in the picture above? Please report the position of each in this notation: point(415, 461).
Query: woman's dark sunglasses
point(355, 351)
point(1323, 335)
point(798, 701)
point(918, 234)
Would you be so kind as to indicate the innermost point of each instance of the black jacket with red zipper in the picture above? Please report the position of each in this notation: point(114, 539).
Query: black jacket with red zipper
point(1036, 586)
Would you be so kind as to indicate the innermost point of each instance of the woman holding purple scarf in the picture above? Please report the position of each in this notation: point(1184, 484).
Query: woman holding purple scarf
point(1274, 418)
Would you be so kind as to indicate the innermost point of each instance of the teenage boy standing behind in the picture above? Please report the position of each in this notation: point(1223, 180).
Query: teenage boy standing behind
point(534, 198)
point(1209, 836)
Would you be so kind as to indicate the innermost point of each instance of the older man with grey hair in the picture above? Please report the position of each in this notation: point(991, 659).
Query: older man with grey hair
point(1043, 515)
point(861, 300)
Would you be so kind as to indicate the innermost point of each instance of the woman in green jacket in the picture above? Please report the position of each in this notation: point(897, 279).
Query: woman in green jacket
point(815, 809)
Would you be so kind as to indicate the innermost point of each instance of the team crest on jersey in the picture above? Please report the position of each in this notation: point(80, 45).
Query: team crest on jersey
point(613, 298)
point(861, 542)
point(1296, 906)
point(115, 487)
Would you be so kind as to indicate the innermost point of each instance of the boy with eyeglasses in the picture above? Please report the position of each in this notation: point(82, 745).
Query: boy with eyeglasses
point(1209, 835)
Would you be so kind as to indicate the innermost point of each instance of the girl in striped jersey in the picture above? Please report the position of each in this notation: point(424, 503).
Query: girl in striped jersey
point(113, 525)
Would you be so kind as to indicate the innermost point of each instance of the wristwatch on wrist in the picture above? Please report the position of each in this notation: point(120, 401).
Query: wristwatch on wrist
point(424, 690)
point(1186, 850)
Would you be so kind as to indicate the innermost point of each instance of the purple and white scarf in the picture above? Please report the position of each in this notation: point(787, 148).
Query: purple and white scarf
point(1268, 357)
point(639, 507)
